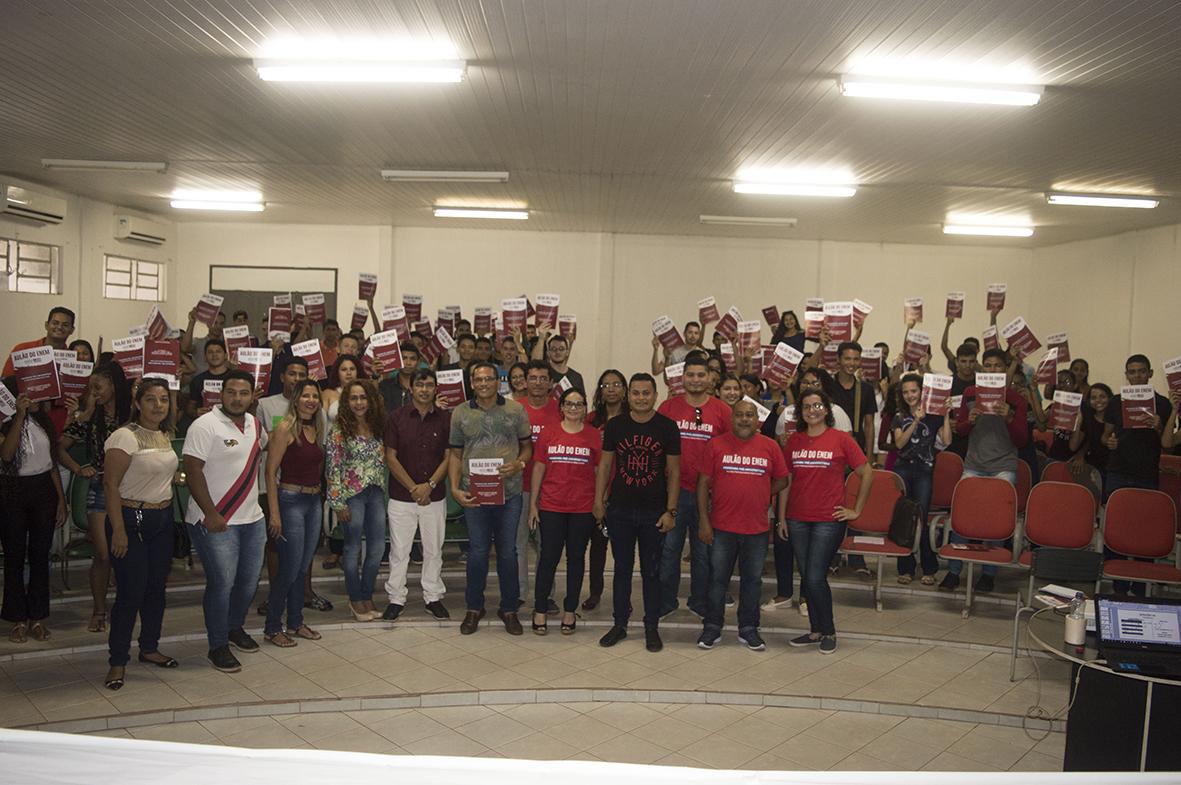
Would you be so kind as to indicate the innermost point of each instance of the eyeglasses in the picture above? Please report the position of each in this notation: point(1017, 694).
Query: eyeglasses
point(574, 404)
point(698, 420)
point(813, 407)
point(610, 385)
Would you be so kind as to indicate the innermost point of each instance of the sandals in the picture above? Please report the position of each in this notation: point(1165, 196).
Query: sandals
point(905, 579)
point(363, 615)
point(318, 603)
point(927, 580)
point(98, 622)
point(19, 633)
point(539, 629)
point(280, 639)
point(115, 683)
point(39, 631)
point(305, 632)
point(167, 662)
point(569, 627)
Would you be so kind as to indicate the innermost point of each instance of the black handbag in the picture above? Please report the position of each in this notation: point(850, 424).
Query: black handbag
point(905, 522)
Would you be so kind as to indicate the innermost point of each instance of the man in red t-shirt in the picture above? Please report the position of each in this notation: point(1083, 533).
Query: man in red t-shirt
point(744, 471)
point(543, 412)
point(59, 326)
point(699, 417)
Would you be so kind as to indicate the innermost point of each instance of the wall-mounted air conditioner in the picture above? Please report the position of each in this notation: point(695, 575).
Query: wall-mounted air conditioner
point(129, 227)
point(31, 205)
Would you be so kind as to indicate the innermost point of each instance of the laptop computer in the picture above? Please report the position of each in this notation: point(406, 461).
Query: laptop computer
point(1140, 636)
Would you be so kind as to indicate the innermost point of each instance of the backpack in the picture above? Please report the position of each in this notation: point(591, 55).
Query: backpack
point(905, 522)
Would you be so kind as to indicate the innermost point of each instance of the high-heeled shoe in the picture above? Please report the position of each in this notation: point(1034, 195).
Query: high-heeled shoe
point(539, 629)
point(115, 683)
point(569, 627)
point(167, 662)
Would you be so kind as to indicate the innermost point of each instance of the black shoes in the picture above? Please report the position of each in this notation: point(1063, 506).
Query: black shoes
point(613, 636)
point(512, 623)
point(950, 582)
point(242, 642)
point(751, 639)
point(392, 612)
point(437, 610)
point(709, 638)
point(470, 622)
point(223, 660)
point(652, 640)
point(986, 583)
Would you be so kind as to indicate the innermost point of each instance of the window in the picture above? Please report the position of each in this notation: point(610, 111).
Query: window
point(31, 267)
point(132, 279)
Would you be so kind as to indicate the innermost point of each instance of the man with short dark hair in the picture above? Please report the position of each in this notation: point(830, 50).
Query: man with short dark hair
point(483, 349)
point(330, 343)
point(465, 349)
point(195, 347)
point(557, 354)
point(59, 326)
point(217, 366)
point(662, 357)
point(396, 388)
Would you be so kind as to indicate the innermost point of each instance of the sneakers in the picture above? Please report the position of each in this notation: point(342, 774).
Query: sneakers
point(613, 636)
point(512, 623)
point(652, 640)
point(804, 640)
point(242, 642)
point(709, 638)
point(864, 573)
point(751, 639)
point(470, 622)
point(986, 583)
point(775, 603)
point(950, 582)
point(438, 610)
point(828, 644)
point(223, 660)
point(392, 612)
point(803, 607)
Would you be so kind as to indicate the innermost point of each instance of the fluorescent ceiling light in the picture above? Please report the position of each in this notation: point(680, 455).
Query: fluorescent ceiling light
point(951, 92)
point(238, 201)
point(97, 166)
point(744, 220)
point(361, 70)
point(428, 176)
point(475, 212)
point(793, 189)
point(1099, 200)
point(192, 204)
point(989, 231)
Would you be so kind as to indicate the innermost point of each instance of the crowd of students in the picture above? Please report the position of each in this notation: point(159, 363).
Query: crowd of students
point(733, 464)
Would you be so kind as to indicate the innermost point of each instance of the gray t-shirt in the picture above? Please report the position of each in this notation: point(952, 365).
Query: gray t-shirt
point(493, 433)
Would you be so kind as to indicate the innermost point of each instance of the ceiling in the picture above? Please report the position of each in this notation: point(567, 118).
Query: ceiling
point(611, 115)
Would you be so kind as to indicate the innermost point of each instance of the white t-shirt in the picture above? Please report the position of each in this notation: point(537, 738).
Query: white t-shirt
point(839, 417)
point(228, 453)
point(37, 458)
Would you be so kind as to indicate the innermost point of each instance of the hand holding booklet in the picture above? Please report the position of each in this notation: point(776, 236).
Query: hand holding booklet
point(990, 391)
point(1137, 405)
point(485, 485)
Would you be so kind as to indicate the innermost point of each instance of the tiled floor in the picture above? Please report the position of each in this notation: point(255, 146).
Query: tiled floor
point(847, 711)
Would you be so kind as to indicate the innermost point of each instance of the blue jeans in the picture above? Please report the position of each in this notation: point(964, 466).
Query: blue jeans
point(749, 551)
point(299, 514)
point(627, 527)
point(366, 519)
point(231, 560)
point(140, 579)
point(918, 479)
point(670, 559)
point(487, 525)
point(955, 566)
point(784, 566)
point(815, 543)
point(1112, 483)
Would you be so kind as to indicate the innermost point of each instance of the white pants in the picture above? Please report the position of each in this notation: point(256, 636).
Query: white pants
point(431, 522)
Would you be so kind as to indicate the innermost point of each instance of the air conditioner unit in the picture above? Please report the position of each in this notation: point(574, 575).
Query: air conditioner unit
point(23, 203)
point(128, 227)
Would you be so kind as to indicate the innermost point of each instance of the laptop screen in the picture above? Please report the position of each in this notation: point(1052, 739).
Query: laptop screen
point(1139, 623)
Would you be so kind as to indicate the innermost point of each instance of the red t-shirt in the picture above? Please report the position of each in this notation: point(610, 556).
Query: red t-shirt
point(715, 420)
point(817, 466)
point(538, 419)
point(740, 474)
point(570, 460)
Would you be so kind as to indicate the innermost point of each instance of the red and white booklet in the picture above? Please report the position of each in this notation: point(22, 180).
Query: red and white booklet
point(386, 348)
point(1137, 405)
point(451, 388)
point(829, 359)
point(547, 309)
point(861, 310)
point(423, 328)
point(667, 333)
point(366, 286)
point(129, 353)
point(310, 351)
point(871, 364)
point(1047, 368)
point(996, 296)
point(1021, 339)
point(838, 318)
point(210, 393)
point(257, 363)
point(748, 336)
point(360, 317)
point(279, 320)
point(813, 321)
point(438, 346)
point(674, 377)
point(157, 325)
point(7, 404)
point(484, 481)
point(990, 391)
point(955, 305)
point(393, 317)
point(36, 374)
point(162, 358)
point(988, 334)
point(513, 314)
point(762, 411)
point(912, 310)
point(568, 326)
point(936, 395)
point(728, 326)
point(917, 346)
point(728, 361)
point(483, 321)
point(313, 305)
point(1173, 374)
point(781, 364)
point(236, 338)
point(1059, 341)
point(208, 307)
point(64, 356)
point(771, 315)
point(456, 312)
point(560, 386)
point(814, 304)
point(413, 305)
point(707, 311)
point(1064, 411)
point(75, 377)
point(282, 301)
point(758, 360)
point(446, 319)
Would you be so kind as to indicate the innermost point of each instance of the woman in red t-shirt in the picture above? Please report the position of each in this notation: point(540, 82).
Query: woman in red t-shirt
point(812, 506)
point(562, 496)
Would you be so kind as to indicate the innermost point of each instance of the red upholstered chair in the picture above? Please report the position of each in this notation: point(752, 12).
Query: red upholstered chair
point(1024, 484)
point(949, 467)
point(1058, 515)
point(1170, 483)
point(1057, 471)
point(982, 508)
point(874, 521)
point(1141, 524)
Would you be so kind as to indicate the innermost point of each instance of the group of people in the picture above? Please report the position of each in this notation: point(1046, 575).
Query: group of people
point(732, 464)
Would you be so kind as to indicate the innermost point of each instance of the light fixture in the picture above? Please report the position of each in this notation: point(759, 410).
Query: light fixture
point(481, 212)
point(236, 201)
point(858, 86)
point(793, 189)
point(361, 70)
point(1100, 200)
point(745, 220)
point(79, 164)
point(430, 176)
point(988, 231)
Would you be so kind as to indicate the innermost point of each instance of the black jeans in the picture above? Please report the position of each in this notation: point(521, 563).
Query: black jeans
point(749, 551)
point(26, 529)
point(815, 544)
point(598, 561)
point(626, 527)
point(569, 530)
point(141, 575)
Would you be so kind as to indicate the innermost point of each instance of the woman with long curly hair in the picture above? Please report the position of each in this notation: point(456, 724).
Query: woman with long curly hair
point(355, 465)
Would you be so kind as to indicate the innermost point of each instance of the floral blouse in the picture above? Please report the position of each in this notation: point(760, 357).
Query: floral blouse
point(352, 465)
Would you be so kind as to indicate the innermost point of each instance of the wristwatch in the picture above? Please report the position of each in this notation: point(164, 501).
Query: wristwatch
point(671, 513)
point(431, 483)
